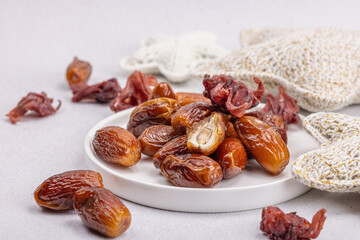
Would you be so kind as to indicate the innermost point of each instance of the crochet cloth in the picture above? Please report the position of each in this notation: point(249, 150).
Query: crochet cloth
point(173, 56)
point(318, 67)
point(335, 166)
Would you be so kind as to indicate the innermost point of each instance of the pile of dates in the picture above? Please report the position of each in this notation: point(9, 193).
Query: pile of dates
point(195, 139)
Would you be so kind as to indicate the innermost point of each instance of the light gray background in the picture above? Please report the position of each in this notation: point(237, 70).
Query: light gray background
point(38, 39)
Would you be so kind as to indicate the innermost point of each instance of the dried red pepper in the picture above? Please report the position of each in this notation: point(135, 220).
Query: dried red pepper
point(38, 103)
point(231, 95)
point(136, 91)
point(278, 225)
point(285, 106)
point(101, 92)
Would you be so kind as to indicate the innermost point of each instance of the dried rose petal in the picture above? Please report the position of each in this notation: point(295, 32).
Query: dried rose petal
point(278, 225)
point(231, 95)
point(136, 91)
point(101, 92)
point(38, 103)
point(285, 106)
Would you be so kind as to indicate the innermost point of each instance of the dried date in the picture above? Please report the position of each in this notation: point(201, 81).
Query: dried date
point(101, 210)
point(191, 170)
point(117, 145)
point(57, 192)
point(232, 157)
point(162, 89)
point(78, 71)
point(264, 143)
point(205, 136)
point(177, 146)
point(153, 112)
point(187, 115)
point(155, 137)
point(185, 98)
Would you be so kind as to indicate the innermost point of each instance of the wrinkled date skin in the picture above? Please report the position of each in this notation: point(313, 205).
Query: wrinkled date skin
point(205, 136)
point(102, 211)
point(57, 192)
point(78, 71)
point(155, 137)
point(185, 98)
point(232, 157)
point(177, 146)
point(162, 89)
point(192, 170)
point(117, 145)
point(264, 143)
point(187, 115)
point(274, 121)
point(153, 112)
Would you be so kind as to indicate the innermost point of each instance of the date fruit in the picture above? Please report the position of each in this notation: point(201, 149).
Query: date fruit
point(78, 71)
point(101, 210)
point(162, 89)
point(177, 146)
point(232, 157)
point(117, 145)
point(205, 136)
point(187, 115)
point(185, 98)
point(57, 192)
point(264, 143)
point(157, 111)
point(191, 170)
point(155, 137)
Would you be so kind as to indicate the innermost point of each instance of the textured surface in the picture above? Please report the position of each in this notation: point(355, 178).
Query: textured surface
point(318, 67)
point(174, 56)
point(38, 39)
point(335, 167)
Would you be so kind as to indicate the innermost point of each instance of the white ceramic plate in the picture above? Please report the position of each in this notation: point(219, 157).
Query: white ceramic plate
point(253, 188)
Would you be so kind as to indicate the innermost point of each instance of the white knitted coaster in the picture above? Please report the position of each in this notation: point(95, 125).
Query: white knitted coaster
point(318, 67)
point(173, 56)
point(335, 166)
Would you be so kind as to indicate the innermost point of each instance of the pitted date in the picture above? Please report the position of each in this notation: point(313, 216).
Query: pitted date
point(153, 112)
point(191, 170)
point(187, 115)
point(155, 137)
point(177, 146)
point(232, 157)
point(205, 136)
point(117, 145)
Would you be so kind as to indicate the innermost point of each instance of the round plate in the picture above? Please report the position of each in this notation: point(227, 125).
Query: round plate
point(254, 188)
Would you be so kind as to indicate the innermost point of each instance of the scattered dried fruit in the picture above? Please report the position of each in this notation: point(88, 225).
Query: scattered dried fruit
point(232, 157)
point(57, 192)
point(136, 91)
point(117, 145)
point(155, 137)
point(78, 71)
point(162, 89)
point(278, 225)
point(187, 115)
point(177, 146)
point(153, 112)
point(191, 170)
point(100, 92)
point(285, 106)
point(230, 95)
point(205, 136)
point(264, 143)
point(102, 211)
point(185, 98)
point(38, 103)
